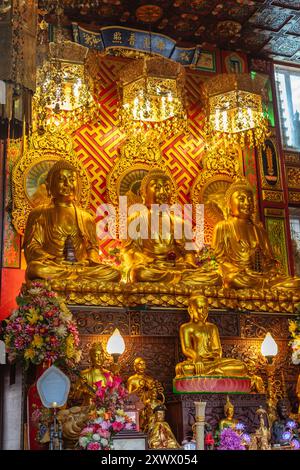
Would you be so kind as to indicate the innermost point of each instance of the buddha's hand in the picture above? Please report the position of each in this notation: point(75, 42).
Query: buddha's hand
point(199, 368)
point(252, 273)
point(190, 260)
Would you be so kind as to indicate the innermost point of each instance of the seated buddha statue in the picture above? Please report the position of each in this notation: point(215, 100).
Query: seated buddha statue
point(200, 343)
point(85, 387)
point(60, 239)
point(160, 435)
point(229, 421)
point(242, 246)
point(155, 254)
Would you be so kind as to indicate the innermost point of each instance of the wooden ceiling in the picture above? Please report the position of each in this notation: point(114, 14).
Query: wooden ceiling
point(265, 28)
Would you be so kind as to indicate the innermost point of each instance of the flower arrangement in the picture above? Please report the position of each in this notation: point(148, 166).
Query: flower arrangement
point(206, 257)
point(42, 329)
point(294, 329)
point(234, 438)
point(230, 440)
point(111, 418)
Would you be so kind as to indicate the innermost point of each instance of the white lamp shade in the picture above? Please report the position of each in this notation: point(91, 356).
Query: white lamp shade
point(115, 344)
point(269, 346)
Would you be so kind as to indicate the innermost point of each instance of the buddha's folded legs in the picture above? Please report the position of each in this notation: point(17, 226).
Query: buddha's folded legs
point(39, 270)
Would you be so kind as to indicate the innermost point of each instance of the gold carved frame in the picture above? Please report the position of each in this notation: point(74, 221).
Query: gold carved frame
point(138, 155)
point(29, 173)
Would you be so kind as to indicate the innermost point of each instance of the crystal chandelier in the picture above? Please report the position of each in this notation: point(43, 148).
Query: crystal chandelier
point(235, 110)
point(152, 96)
point(64, 90)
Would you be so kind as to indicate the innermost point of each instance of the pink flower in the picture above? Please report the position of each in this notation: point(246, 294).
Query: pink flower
point(117, 426)
point(104, 433)
point(87, 430)
point(117, 381)
point(93, 446)
point(109, 379)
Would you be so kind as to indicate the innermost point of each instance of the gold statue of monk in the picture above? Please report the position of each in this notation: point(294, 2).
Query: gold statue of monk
point(242, 246)
point(85, 387)
point(60, 239)
point(156, 255)
point(149, 390)
point(200, 343)
point(160, 435)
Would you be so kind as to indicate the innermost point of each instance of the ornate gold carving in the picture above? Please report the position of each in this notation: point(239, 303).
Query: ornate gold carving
point(292, 157)
point(30, 172)
point(162, 295)
point(274, 196)
point(294, 196)
point(274, 212)
point(293, 177)
point(220, 167)
point(137, 156)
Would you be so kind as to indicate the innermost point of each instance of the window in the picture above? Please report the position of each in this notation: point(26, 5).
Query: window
point(295, 235)
point(288, 98)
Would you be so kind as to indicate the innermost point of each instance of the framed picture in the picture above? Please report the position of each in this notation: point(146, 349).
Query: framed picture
point(130, 440)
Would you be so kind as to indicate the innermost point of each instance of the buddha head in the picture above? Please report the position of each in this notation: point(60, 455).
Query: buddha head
point(139, 365)
point(62, 182)
point(156, 188)
point(228, 408)
point(198, 308)
point(97, 355)
point(239, 198)
point(160, 412)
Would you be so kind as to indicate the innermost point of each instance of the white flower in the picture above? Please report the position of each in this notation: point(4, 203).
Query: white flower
point(98, 420)
point(35, 290)
point(65, 314)
point(83, 441)
point(96, 437)
point(296, 357)
point(61, 331)
point(295, 344)
point(104, 441)
point(120, 419)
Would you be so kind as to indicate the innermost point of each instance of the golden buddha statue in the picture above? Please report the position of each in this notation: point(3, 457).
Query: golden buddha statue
point(85, 387)
point(72, 421)
point(242, 246)
point(156, 255)
point(140, 383)
point(229, 421)
point(160, 435)
point(60, 239)
point(149, 390)
point(200, 343)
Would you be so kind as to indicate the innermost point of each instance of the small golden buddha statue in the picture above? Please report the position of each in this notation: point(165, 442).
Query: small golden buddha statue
point(156, 255)
point(200, 343)
point(149, 390)
point(85, 387)
point(228, 421)
point(60, 239)
point(242, 246)
point(160, 435)
point(141, 383)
